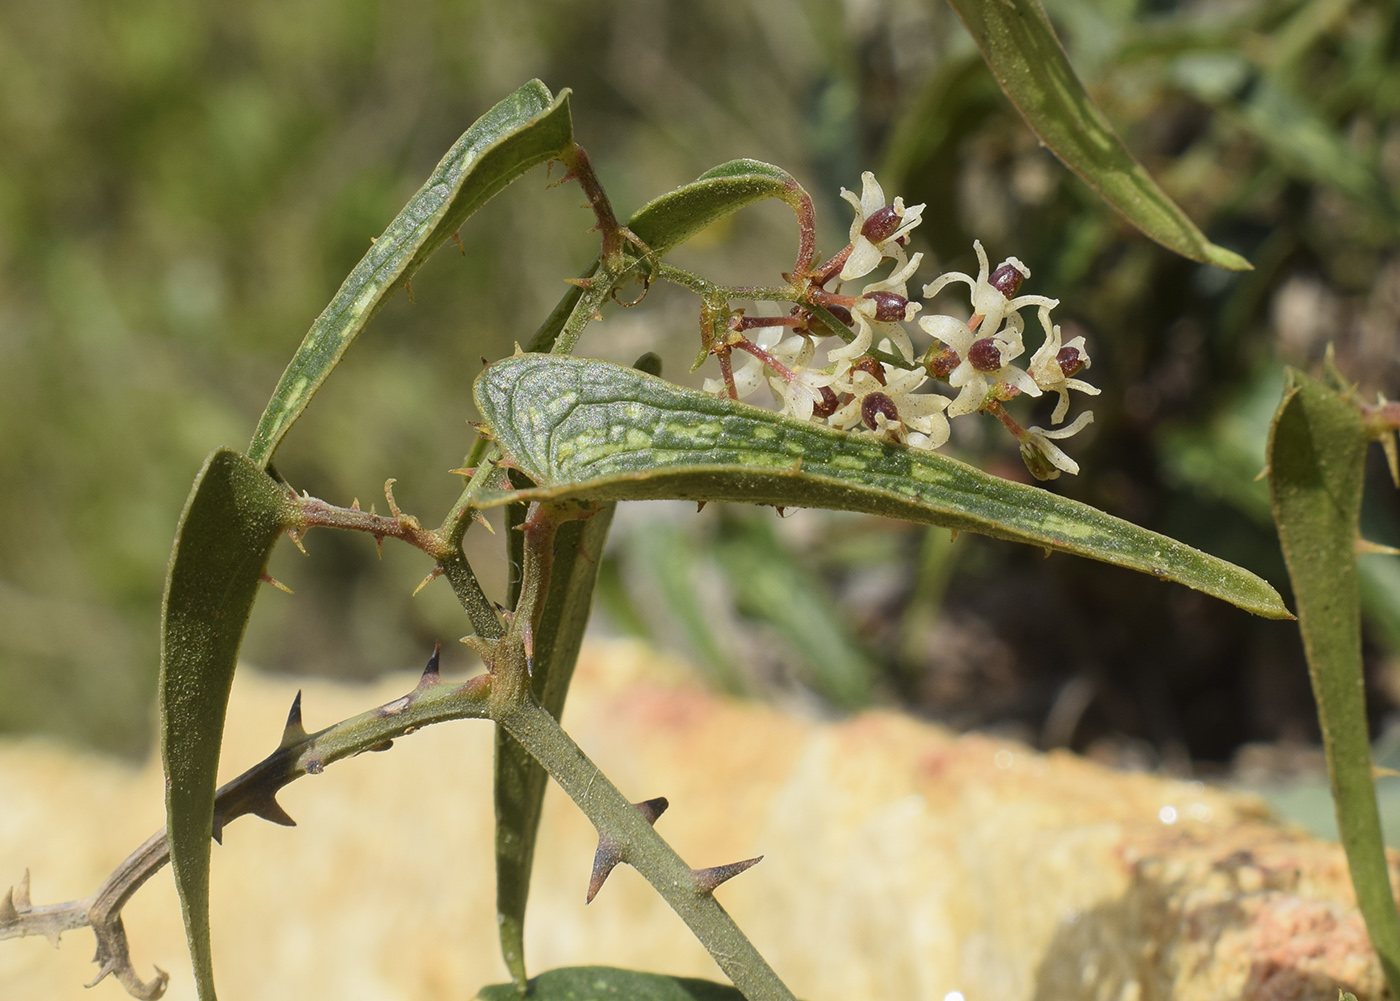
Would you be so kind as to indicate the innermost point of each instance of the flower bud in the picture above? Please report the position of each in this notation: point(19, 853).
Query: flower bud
point(1070, 361)
point(941, 365)
point(889, 306)
point(877, 403)
point(870, 367)
point(985, 355)
point(827, 402)
point(881, 224)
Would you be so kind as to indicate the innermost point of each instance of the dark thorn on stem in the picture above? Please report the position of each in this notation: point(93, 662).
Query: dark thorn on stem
point(293, 732)
point(780, 510)
point(457, 239)
point(700, 506)
point(706, 880)
point(408, 287)
point(605, 859)
point(432, 674)
point(271, 810)
point(608, 855)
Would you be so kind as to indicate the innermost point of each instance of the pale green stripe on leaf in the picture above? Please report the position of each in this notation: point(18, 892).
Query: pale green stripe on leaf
point(1029, 63)
point(231, 521)
point(1317, 452)
point(525, 129)
point(590, 429)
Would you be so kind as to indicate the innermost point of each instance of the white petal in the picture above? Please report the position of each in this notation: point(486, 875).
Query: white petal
point(865, 258)
point(872, 196)
point(970, 399)
point(948, 329)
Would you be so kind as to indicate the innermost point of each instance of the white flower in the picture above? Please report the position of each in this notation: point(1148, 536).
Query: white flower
point(1043, 457)
point(890, 408)
point(800, 393)
point(994, 298)
point(886, 304)
point(1053, 364)
point(878, 228)
point(982, 362)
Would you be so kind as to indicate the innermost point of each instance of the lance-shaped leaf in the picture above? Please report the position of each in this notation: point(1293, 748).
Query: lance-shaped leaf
point(525, 129)
point(1317, 451)
point(668, 221)
point(607, 983)
point(520, 780)
point(231, 521)
point(590, 429)
point(1031, 66)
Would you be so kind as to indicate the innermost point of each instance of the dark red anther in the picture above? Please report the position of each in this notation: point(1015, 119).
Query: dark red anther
point(843, 314)
point(881, 224)
point(827, 403)
point(889, 306)
point(984, 355)
point(870, 367)
point(1006, 279)
point(877, 403)
point(1070, 361)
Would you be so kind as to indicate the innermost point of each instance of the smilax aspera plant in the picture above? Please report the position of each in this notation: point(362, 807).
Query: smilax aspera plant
point(865, 380)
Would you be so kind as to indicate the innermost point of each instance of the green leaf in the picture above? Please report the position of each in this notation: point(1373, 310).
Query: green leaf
point(668, 221)
point(1030, 65)
point(520, 780)
point(607, 983)
point(590, 429)
point(1317, 451)
point(525, 129)
point(233, 518)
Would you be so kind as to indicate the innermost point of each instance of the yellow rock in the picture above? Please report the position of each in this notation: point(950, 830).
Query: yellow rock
point(902, 861)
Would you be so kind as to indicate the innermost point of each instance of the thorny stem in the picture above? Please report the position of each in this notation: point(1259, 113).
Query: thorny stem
point(255, 792)
point(644, 849)
point(311, 512)
point(617, 820)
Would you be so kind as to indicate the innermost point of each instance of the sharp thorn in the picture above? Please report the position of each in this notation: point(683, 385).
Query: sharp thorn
point(700, 506)
point(389, 496)
point(355, 504)
point(706, 880)
point(21, 892)
point(295, 536)
point(293, 732)
point(433, 672)
point(1263, 474)
point(1364, 546)
point(952, 535)
point(652, 808)
point(780, 509)
point(269, 579)
point(9, 914)
point(605, 859)
point(271, 810)
point(433, 575)
point(464, 471)
point(457, 239)
point(379, 544)
point(480, 519)
point(408, 287)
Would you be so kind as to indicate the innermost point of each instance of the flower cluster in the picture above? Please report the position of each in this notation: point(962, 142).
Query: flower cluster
point(875, 383)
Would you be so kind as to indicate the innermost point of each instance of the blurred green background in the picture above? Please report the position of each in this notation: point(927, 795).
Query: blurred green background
point(183, 186)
